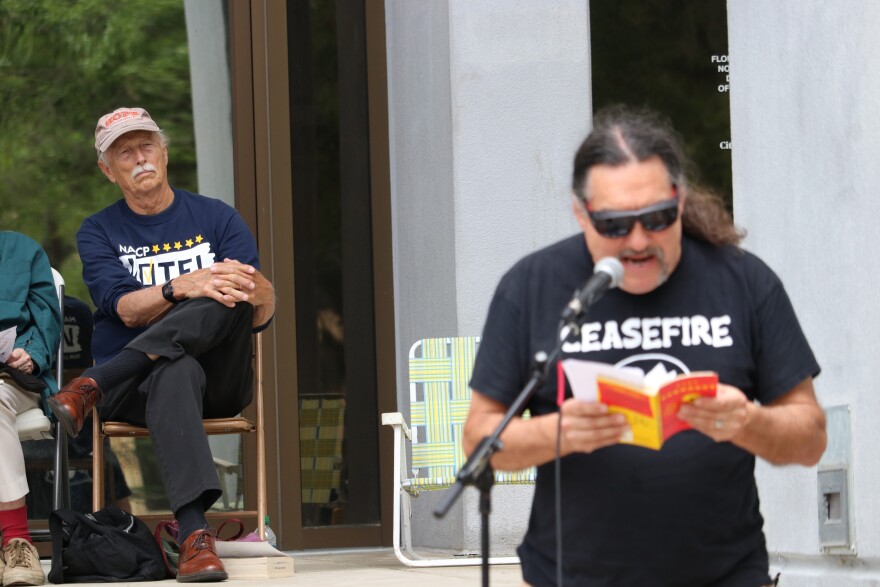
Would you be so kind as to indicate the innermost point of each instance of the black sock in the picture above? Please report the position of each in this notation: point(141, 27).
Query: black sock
point(126, 364)
point(190, 517)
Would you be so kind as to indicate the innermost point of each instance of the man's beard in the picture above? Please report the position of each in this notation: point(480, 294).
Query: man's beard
point(655, 252)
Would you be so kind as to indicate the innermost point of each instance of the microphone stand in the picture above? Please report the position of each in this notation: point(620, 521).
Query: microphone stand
point(477, 471)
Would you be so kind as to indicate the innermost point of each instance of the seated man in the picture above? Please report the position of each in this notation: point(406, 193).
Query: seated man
point(175, 279)
point(29, 305)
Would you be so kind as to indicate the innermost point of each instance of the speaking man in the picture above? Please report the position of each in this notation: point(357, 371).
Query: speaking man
point(690, 299)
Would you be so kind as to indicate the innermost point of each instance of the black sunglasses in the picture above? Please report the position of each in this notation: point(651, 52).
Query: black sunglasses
point(618, 223)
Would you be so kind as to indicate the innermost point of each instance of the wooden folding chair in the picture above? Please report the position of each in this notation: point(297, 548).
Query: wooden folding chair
point(237, 425)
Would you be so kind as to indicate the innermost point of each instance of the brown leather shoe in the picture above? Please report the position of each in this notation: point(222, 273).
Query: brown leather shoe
point(198, 560)
point(73, 402)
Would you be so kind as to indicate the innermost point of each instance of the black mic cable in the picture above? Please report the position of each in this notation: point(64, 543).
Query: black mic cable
point(557, 475)
point(565, 330)
point(607, 274)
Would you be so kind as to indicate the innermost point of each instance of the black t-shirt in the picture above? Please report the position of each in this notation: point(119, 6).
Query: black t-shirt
point(78, 326)
point(687, 515)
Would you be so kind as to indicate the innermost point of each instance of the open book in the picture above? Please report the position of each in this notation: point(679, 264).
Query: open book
point(649, 402)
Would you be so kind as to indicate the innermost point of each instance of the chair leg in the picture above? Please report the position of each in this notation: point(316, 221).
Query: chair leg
point(406, 523)
point(260, 423)
point(261, 483)
point(65, 468)
point(61, 469)
point(97, 463)
point(395, 531)
point(400, 535)
point(408, 556)
point(261, 441)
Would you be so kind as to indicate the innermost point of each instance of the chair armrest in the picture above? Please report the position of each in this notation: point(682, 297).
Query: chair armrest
point(395, 419)
point(33, 425)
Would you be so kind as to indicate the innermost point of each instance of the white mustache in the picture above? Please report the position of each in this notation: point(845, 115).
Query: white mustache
point(142, 168)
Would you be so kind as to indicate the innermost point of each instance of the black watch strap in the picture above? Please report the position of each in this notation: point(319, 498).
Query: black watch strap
point(168, 292)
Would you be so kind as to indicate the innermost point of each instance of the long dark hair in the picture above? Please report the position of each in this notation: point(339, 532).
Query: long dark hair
point(623, 134)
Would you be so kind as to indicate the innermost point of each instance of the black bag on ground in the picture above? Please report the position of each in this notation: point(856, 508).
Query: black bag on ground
point(104, 547)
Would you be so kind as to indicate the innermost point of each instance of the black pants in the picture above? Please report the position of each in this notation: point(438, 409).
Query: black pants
point(204, 371)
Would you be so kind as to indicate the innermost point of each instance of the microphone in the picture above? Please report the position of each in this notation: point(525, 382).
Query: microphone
point(606, 275)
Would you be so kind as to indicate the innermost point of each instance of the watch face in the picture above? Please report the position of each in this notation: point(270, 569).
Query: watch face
point(168, 292)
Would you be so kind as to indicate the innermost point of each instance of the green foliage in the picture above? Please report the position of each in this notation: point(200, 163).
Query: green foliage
point(62, 65)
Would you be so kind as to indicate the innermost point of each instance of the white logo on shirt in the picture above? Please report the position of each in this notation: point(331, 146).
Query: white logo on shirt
point(653, 333)
point(162, 267)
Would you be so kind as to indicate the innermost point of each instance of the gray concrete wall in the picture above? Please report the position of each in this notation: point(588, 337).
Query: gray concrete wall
point(420, 136)
point(487, 104)
point(212, 121)
point(521, 106)
point(212, 97)
point(804, 80)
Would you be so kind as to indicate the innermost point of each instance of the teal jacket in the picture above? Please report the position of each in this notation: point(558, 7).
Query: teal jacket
point(28, 301)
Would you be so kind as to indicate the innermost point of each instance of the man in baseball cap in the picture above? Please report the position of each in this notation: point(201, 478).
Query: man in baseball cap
point(122, 120)
point(176, 282)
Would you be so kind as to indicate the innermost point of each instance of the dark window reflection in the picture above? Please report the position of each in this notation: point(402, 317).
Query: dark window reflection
point(333, 264)
point(670, 55)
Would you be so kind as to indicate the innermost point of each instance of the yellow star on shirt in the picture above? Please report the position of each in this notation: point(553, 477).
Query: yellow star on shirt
point(189, 242)
point(199, 239)
point(166, 247)
point(155, 248)
point(177, 246)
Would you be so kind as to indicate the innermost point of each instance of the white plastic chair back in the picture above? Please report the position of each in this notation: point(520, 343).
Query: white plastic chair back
point(33, 424)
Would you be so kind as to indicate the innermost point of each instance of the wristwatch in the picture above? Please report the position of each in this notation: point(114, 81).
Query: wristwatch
point(168, 292)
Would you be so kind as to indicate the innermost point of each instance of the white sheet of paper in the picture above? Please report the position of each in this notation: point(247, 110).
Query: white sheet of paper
point(582, 376)
point(7, 342)
point(659, 375)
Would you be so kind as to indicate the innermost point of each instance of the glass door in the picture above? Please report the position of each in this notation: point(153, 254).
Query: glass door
point(333, 274)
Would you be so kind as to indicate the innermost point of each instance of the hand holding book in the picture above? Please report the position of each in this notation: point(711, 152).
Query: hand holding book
point(650, 403)
point(589, 426)
point(721, 417)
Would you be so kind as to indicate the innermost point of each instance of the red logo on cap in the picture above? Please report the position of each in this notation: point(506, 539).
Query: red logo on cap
point(120, 116)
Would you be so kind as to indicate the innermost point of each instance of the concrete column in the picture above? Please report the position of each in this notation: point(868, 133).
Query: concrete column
point(804, 80)
point(211, 95)
point(487, 103)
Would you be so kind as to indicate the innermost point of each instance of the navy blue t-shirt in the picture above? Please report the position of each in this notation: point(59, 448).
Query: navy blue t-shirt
point(122, 252)
point(688, 514)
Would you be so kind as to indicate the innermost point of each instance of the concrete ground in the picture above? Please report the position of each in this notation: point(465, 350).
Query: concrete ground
point(366, 567)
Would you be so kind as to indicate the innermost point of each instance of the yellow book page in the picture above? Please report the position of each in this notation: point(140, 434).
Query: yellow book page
point(640, 410)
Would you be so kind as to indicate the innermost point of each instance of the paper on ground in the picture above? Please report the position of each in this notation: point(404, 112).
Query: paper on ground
point(234, 549)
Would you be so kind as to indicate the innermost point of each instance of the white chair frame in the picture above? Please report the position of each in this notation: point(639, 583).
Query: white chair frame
point(34, 425)
point(405, 491)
